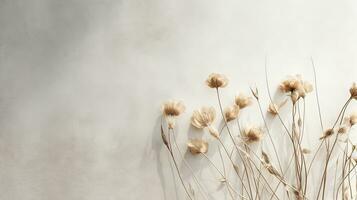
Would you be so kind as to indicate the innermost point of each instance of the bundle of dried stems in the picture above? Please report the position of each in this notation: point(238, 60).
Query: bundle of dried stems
point(258, 175)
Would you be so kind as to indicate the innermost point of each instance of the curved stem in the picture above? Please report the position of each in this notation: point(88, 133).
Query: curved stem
point(178, 171)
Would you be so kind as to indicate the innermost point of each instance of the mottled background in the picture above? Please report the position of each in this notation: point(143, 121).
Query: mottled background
point(82, 81)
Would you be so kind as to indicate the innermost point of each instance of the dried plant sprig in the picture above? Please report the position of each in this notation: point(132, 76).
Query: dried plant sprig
point(217, 81)
point(231, 113)
point(296, 88)
point(243, 100)
point(197, 146)
point(172, 109)
point(252, 134)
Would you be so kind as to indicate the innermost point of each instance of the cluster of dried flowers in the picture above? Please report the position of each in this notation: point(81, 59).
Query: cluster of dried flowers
point(259, 175)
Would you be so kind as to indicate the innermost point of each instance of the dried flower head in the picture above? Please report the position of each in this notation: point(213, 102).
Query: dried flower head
point(197, 146)
point(172, 109)
point(217, 81)
point(231, 113)
point(342, 130)
point(252, 134)
point(203, 117)
point(327, 133)
point(243, 100)
point(296, 87)
point(353, 91)
point(352, 119)
point(273, 109)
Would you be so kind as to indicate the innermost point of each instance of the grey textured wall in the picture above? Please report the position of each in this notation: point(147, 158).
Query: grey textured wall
point(81, 82)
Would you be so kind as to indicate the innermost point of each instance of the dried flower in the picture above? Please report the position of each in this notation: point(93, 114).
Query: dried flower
point(353, 91)
point(273, 109)
point(231, 113)
point(242, 100)
point(352, 119)
point(252, 134)
point(217, 81)
point(296, 87)
point(172, 109)
point(197, 146)
point(342, 130)
point(203, 118)
point(327, 133)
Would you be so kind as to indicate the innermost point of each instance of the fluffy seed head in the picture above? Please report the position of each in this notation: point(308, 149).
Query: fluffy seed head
point(252, 134)
point(197, 146)
point(243, 100)
point(231, 113)
point(217, 81)
point(203, 117)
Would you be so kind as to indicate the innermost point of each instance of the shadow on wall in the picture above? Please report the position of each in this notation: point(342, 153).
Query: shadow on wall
point(157, 147)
